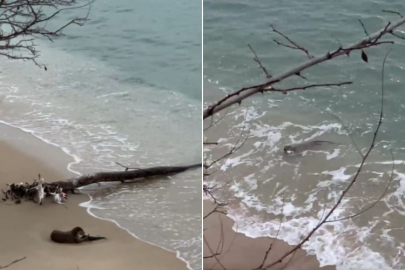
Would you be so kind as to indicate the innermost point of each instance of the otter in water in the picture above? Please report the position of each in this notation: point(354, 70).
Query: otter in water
point(301, 147)
point(76, 235)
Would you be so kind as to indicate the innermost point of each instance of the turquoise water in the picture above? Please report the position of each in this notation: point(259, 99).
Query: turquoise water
point(155, 43)
point(126, 87)
point(264, 185)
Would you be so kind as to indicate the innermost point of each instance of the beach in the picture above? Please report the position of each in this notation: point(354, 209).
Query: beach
point(260, 182)
point(26, 227)
point(242, 252)
point(131, 96)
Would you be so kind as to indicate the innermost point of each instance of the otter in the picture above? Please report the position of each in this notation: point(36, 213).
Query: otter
point(76, 235)
point(301, 147)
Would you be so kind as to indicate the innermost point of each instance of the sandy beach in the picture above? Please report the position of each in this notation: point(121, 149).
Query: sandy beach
point(25, 227)
point(240, 252)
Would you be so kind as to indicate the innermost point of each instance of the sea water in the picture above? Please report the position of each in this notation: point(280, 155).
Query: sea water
point(126, 88)
point(261, 184)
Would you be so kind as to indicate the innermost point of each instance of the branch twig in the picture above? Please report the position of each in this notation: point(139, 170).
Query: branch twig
point(256, 59)
point(238, 96)
point(293, 45)
point(13, 262)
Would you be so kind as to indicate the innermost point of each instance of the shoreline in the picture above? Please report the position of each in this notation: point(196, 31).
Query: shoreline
point(240, 252)
point(20, 147)
point(129, 232)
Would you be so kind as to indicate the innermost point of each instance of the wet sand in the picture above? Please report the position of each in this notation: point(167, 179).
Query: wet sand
point(241, 253)
point(25, 227)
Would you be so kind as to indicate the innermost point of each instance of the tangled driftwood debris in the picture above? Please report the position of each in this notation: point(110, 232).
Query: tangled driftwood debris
point(40, 189)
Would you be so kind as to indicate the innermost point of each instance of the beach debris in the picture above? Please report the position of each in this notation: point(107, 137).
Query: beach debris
point(35, 192)
point(40, 194)
point(59, 196)
point(13, 262)
point(76, 235)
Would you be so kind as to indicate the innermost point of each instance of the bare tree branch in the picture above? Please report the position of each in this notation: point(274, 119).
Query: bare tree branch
point(364, 28)
point(210, 143)
point(256, 59)
point(238, 144)
point(13, 262)
point(396, 35)
point(394, 12)
point(238, 96)
point(274, 238)
point(28, 19)
point(284, 91)
point(213, 254)
point(293, 45)
point(216, 122)
point(348, 133)
point(374, 203)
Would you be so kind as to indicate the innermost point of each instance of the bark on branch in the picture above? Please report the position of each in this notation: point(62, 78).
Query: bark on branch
point(16, 191)
point(128, 174)
point(237, 97)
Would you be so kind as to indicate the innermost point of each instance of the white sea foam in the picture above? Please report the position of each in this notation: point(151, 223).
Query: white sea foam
point(51, 109)
point(346, 244)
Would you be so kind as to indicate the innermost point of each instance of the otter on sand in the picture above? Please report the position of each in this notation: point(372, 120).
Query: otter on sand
point(76, 235)
point(301, 147)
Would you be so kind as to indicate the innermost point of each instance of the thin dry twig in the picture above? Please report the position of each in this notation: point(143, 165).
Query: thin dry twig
point(216, 122)
point(13, 262)
point(257, 60)
point(274, 239)
point(375, 202)
point(289, 261)
point(396, 35)
point(238, 144)
point(126, 167)
point(210, 143)
point(284, 91)
point(348, 133)
point(214, 255)
point(29, 19)
point(364, 28)
point(393, 12)
point(293, 45)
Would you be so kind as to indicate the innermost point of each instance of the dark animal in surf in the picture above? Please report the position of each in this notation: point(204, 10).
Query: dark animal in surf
point(301, 147)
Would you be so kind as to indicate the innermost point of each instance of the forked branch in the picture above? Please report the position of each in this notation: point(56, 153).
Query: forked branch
point(292, 44)
point(238, 96)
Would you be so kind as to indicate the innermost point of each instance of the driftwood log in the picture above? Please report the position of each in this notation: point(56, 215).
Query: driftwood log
point(128, 174)
point(18, 191)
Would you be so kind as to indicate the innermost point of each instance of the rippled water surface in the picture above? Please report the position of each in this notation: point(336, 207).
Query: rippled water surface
point(260, 182)
point(124, 88)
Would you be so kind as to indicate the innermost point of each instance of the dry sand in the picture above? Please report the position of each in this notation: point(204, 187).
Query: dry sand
point(242, 253)
point(25, 228)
